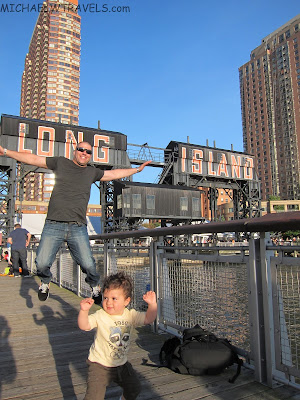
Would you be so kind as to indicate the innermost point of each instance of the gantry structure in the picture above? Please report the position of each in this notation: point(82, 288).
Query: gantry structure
point(181, 164)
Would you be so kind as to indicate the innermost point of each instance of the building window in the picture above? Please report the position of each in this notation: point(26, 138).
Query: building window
point(136, 201)
point(29, 208)
point(119, 201)
point(126, 198)
point(150, 202)
point(183, 204)
point(195, 205)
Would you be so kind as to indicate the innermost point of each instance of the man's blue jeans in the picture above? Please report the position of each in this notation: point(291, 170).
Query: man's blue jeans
point(76, 235)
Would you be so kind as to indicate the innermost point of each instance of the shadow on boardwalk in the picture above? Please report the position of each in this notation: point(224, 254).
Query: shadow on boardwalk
point(43, 355)
point(8, 372)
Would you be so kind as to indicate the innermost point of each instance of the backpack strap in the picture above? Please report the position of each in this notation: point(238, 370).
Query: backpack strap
point(177, 366)
point(174, 363)
point(145, 362)
point(168, 349)
point(160, 356)
point(239, 362)
point(199, 334)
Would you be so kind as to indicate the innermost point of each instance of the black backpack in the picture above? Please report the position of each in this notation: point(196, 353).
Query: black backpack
point(199, 353)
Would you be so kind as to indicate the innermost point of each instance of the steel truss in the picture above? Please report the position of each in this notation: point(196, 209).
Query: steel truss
point(109, 222)
point(7, 195)
point(244, 194)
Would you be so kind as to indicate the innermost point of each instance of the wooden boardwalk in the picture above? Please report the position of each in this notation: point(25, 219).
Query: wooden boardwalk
point(43, 355)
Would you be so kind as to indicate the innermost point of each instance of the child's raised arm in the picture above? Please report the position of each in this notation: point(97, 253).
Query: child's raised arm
point(83, 321)
point(150, 299)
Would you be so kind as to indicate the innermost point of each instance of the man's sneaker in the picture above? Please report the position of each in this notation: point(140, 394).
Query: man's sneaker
point(97, 295)
point(43, 291)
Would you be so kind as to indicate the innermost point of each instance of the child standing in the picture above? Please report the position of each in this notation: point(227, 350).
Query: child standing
point(107, 358)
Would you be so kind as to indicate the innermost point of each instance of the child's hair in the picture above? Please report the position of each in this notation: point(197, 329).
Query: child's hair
point(119, 281)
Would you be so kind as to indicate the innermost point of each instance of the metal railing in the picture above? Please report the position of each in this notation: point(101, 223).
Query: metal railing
point(249, 294)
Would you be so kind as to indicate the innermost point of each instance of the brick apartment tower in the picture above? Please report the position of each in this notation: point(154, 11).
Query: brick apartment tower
point(270, 103)
point(50, 81)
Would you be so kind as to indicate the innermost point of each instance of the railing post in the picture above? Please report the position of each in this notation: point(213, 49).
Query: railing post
point(78, 274)
point(261, 309)
point(157, 284)
point(105, 258)
point(60, 256)
point(109, 252)
point(267, 307)
point(257, 335)
point(32, 260)
point(153, 261)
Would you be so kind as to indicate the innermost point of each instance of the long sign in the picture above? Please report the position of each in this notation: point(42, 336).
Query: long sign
point(213, 163)
point(49, 139)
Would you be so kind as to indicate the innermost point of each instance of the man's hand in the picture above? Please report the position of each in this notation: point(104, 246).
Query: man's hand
point(26, 158)
point(112, 174)
point(141, 167)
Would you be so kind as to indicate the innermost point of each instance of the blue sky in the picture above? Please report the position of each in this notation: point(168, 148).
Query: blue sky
point(166, 70)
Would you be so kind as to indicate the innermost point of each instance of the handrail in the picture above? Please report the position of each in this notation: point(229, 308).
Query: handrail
point(270, 222)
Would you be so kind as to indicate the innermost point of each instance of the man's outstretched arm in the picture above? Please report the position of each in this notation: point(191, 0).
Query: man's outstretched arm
point(110, 175)
point(26, 158)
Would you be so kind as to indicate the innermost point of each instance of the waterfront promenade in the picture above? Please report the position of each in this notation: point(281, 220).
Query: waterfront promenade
point(43, 355)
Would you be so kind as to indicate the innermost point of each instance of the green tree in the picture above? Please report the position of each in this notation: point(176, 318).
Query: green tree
point(290, 234)
point(271, 197)
point(279, 207)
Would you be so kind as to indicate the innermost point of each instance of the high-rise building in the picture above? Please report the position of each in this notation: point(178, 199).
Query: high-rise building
point(270, 104)
point(50, 81)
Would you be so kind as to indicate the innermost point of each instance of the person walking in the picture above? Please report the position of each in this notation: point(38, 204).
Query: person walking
point(19, 240)
point(66, 218)
point(114, 324)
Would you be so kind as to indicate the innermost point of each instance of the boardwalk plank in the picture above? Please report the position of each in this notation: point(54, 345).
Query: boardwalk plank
point(43, 355)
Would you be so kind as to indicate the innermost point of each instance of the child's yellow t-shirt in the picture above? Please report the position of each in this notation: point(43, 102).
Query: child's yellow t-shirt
point(112, 337)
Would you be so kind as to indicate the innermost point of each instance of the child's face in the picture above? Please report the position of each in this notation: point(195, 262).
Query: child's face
point(114, 301)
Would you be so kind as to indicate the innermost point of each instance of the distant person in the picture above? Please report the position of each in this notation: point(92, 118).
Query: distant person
point(1, 249)
point(9, 270)
point(66, 218)
point(114, 324)
point(19, 240)
point(6, 256)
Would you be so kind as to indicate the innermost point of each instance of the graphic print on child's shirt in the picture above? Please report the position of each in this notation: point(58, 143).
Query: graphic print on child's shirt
point(119, 340)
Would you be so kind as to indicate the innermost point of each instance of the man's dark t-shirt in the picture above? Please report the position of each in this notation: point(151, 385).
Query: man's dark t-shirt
point(19, 237)
point(71, 192)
